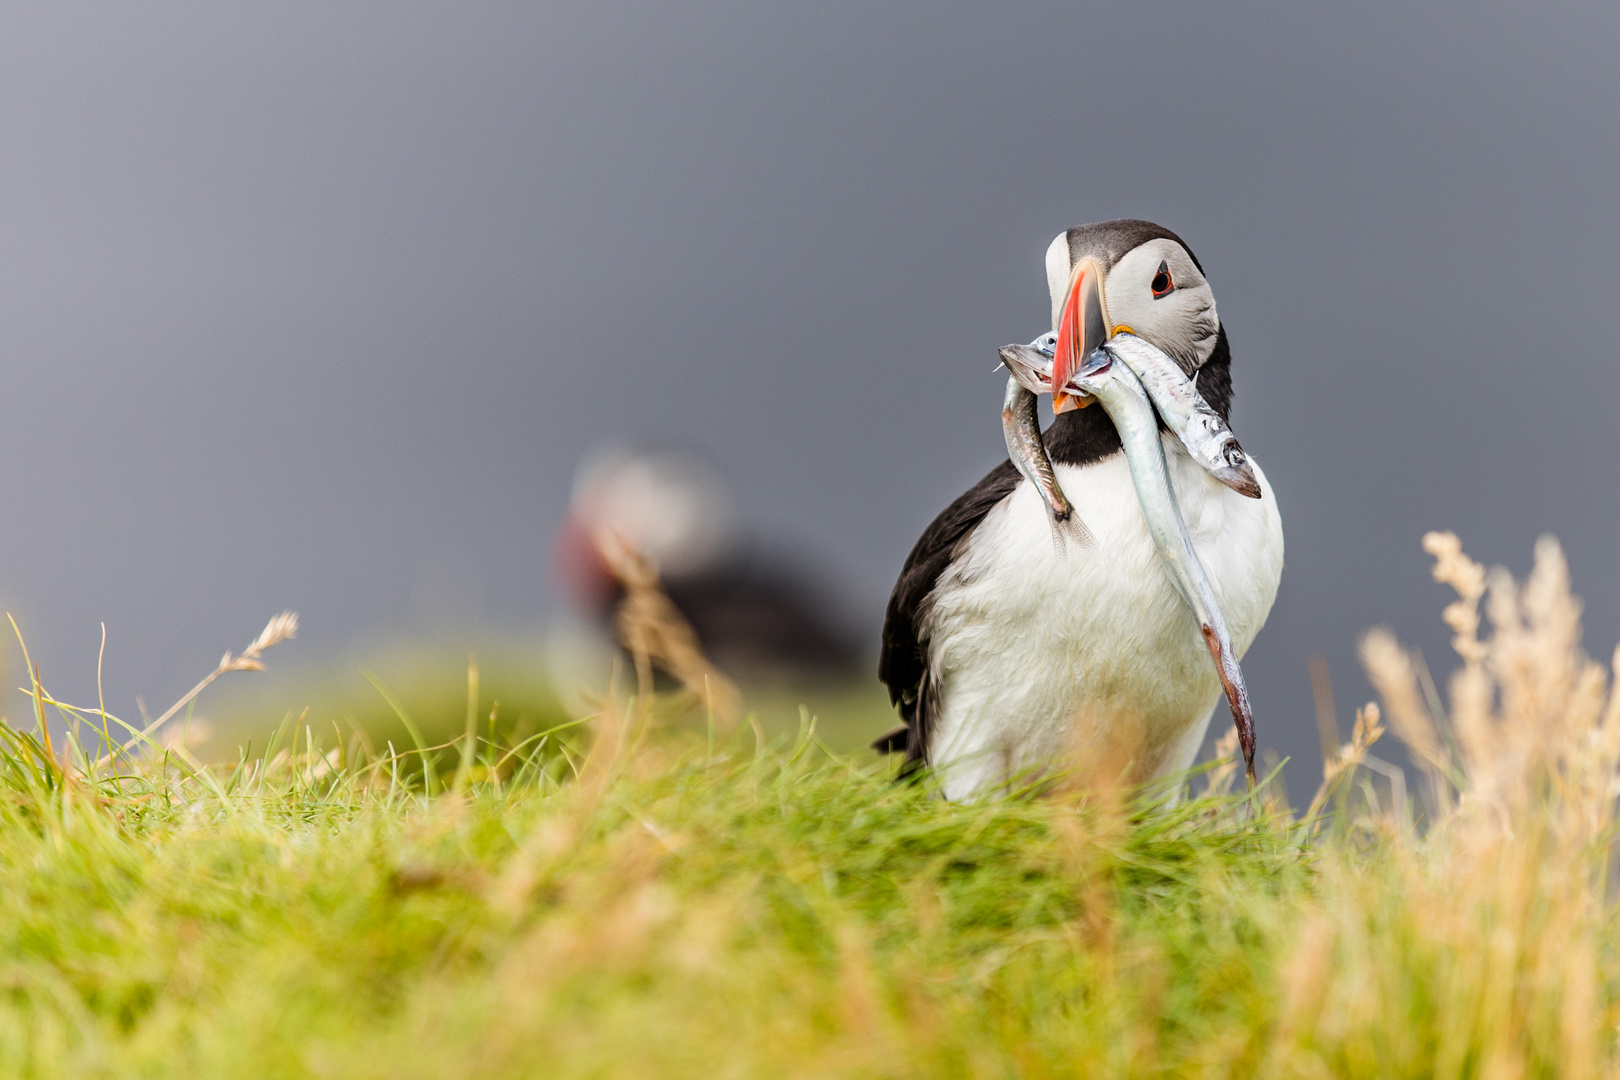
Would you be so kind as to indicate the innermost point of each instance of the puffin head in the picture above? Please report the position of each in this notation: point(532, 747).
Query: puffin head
point(1126, 275)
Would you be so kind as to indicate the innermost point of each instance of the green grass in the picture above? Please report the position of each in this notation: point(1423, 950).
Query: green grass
point(681, 909)
point(669, 908)
point(637, 895)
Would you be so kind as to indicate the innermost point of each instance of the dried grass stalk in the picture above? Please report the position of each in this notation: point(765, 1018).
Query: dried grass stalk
point(1222, 776)
point(1392, 674)
point(282, 627)
point(1368, 729)
point(655, 633)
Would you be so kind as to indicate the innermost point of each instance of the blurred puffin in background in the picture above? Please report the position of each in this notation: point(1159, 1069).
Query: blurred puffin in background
point(761, 616)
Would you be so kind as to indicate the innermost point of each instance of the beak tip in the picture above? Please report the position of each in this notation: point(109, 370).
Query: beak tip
point(1062, 403)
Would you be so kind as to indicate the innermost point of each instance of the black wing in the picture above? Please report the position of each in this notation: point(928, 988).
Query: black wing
point(903, 663)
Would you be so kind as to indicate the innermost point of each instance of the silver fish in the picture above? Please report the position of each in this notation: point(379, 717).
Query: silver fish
point(1185, 412)
point(1021, 428)
point(1126, 401)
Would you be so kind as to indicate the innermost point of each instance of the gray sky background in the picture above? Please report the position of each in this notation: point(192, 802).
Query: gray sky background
point(316, 305)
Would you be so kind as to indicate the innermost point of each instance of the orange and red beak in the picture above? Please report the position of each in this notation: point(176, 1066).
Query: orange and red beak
point(1083, 327)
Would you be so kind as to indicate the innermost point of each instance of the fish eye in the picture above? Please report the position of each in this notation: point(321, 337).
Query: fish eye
point(1162, 284)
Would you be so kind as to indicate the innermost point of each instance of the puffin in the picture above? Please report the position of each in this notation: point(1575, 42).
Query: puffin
point(1011, 655)
point(757, 612)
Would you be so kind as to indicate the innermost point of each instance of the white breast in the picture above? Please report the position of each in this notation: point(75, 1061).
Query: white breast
point(1049, 651)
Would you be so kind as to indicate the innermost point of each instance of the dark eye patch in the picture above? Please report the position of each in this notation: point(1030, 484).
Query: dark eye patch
point(1162, 285)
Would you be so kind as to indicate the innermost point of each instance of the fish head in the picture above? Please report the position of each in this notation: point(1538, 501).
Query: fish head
point(1031, 367)
point(1237, 473)
point(1230, 465)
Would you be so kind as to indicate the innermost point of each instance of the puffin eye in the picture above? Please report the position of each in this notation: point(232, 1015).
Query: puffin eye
point(1162, 285)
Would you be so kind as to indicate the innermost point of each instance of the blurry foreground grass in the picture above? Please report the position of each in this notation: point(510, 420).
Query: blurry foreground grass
point(624, 898)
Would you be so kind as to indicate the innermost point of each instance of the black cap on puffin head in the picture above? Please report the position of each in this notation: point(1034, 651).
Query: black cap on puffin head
point(1127, 275)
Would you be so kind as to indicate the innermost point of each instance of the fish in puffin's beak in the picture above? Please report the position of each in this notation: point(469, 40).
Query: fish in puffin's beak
point(1128, 406)
point(1021, 429)
point(1208, 439)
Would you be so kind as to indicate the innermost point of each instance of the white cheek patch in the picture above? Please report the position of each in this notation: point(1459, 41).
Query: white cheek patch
point(1183, 322)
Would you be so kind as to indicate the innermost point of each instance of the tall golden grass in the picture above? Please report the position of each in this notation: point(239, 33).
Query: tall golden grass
point(1480, 938)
